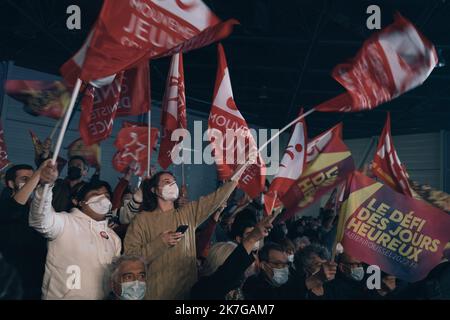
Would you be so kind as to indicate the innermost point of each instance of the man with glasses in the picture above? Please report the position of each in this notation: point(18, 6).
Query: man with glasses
point(128, 278)
point(271, 281)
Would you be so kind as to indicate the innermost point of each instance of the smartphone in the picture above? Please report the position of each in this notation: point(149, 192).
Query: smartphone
point(182, 228)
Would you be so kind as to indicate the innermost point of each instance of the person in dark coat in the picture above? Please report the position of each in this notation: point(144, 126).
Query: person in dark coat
point(226, 265)
point(22, 247)
point(270, 283)
point(312, 275)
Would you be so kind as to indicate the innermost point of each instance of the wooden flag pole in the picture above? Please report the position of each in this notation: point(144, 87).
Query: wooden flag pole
point(340, 226)
point(59, 142)
point(241, 169)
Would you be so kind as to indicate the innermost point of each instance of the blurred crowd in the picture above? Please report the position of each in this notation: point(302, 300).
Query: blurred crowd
point(84, 240)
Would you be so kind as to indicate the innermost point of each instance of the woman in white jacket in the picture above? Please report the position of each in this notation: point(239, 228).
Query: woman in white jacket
point(81, 245)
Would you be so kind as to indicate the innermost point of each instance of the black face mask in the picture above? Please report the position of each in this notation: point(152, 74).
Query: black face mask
point(74, 173)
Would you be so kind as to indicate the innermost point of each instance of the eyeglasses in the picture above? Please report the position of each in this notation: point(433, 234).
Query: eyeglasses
point(128, 277)
point(278, 264)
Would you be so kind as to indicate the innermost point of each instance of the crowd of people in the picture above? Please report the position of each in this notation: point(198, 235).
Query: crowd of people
point(83, 240)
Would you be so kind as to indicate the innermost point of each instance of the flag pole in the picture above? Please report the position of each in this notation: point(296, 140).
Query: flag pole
point(300, 117)
point(65, 123)
point(366, 153)
point(149, 139)
point(52, 134)
point(340, 225)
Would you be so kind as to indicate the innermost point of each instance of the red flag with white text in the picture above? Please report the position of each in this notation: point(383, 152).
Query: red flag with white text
point(128, 32)
point(127, 95)
point(229, 152)
point(390, 63)
point(173, 110)
point(291, 166)
point(386, 164)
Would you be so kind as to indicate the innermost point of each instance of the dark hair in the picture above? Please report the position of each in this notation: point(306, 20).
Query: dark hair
point(92, 185)
point(303, 258)
point(85, 163)
point(277, 234)
point(150, 199)
point(269, 246)
point(10, 174)
point(239, 226)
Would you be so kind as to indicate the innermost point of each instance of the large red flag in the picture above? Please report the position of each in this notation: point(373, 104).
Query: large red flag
point(225, 116)
point(174, 110)
point(4, 162)
point(387, 165)
point(135, 91)
point(330, 162)
point(128, 32)
point(40, 98)
point(291, 166)
point(97, 117)
point(131, 143)
point(405, 237)
point(390, 63)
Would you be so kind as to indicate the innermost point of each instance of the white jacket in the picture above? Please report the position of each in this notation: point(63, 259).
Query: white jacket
point(79, 251)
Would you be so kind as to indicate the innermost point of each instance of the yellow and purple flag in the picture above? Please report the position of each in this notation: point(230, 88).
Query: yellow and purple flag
point(329, 163)
point(405, 237)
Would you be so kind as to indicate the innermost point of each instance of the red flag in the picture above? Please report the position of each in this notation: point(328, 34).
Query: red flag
point(135, 91)
point(225, 116)
point(174, 110)
point(4, 162)
point(386, 164)
point(128, 32)
point(132, 151)
point(291, 166)
point(97, 117)
point(316, 146)
point(128, 94)
point(329, 163)
point(405, 237)
point(40, 98)
point(92, 153)
point(390, 63)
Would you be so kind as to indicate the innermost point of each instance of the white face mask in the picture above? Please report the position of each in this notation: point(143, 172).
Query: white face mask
point(357, 273)
point(291, 258)
point(280, 276)
point(100, 204)
point(134, 290)
point(170, 192)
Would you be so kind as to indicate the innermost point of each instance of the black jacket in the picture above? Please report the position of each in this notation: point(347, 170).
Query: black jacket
point(227, 277)
point(260, 288)
point(22, 247)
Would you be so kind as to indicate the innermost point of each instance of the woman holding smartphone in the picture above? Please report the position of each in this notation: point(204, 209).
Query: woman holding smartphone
point(152, 234)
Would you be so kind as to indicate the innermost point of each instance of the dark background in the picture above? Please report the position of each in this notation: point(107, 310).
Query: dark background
point(280, 57)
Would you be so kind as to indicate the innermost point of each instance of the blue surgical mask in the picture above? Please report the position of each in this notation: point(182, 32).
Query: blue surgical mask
point(357, 273)
point(280, 276)
point(134, 290)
